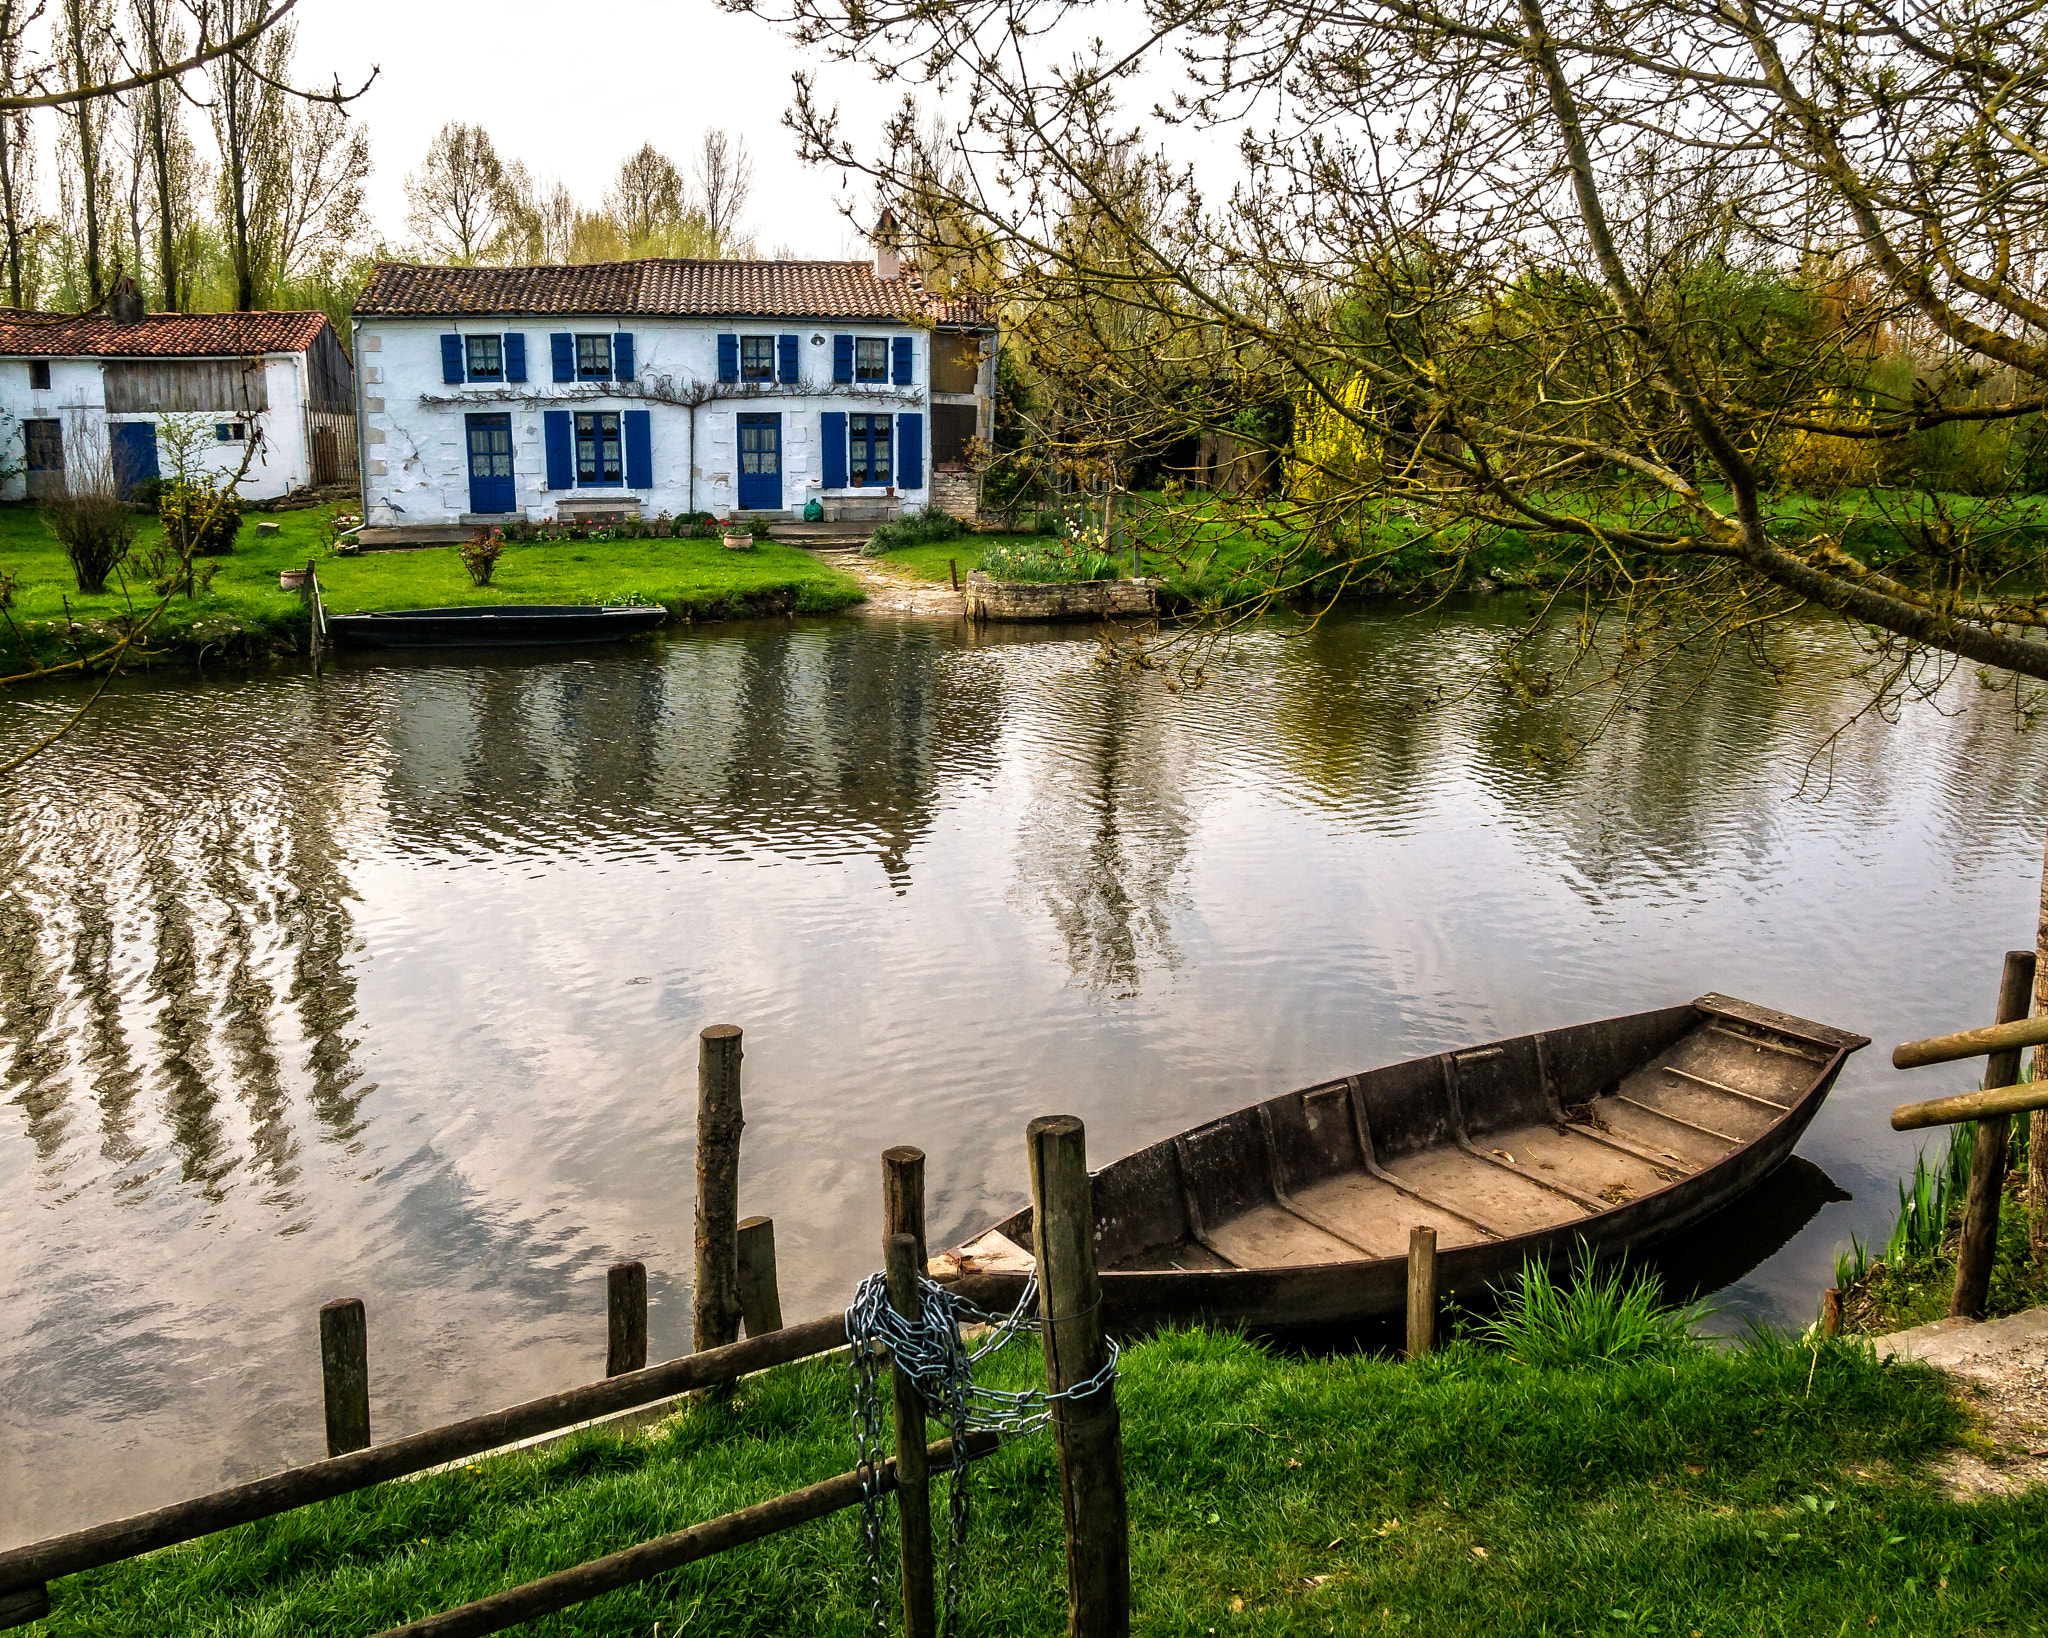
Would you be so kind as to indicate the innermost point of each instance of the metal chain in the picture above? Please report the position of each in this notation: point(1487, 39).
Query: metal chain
point(929, 1349)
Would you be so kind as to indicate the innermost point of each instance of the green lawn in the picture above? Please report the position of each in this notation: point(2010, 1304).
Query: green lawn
point(244, 612)
point(1771, 1489)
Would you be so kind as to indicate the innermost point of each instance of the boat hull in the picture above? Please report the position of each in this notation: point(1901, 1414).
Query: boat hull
point(495, 626)
point(1501, 1147)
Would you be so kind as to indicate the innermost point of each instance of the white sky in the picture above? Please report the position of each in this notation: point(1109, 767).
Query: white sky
point(572, 89)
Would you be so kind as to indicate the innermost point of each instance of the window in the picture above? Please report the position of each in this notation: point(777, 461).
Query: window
point(486, 358)
point(230, 432)
point(867, 447)
point(39, 374)
point(594, 359)
point(757, 358)
point(952, 431)
point(870, 360)
point(45, 445)
point(597, 446)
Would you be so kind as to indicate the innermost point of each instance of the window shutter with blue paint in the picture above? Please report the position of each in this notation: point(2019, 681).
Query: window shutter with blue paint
point(515, 357)
point(622, 355)
point(451, 358)
point(561, 442)
point(903, 361)
point(909, 451)
point(832, 434)
point(728, 358)
point(639, 436)
point(785, 360)
point(563, 345)
point(842, 358)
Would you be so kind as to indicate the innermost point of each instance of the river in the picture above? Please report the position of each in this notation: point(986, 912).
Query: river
point(387, 983)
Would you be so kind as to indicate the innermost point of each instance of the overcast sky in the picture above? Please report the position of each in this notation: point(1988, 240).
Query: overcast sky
point(572, 89)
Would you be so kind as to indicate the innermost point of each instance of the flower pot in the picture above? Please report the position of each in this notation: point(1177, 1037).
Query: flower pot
point(291, 580)
point(738, 543)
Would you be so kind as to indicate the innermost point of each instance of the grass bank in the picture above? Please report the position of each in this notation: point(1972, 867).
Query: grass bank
point(243, 614)
point(1768, 1489)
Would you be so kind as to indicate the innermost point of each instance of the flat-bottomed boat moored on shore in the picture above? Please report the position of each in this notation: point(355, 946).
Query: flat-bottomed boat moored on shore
point(1296, 1212)
point(494, 625)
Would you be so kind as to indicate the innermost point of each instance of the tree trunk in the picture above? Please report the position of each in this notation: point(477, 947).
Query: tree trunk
point(10, 210)
point(2037, 1128)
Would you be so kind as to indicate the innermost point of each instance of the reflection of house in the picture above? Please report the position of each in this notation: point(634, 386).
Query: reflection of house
point(279, 380)
point(668, 386)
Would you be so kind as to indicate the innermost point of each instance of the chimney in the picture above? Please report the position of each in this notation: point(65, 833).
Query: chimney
point(888, 257)
point(124, 301)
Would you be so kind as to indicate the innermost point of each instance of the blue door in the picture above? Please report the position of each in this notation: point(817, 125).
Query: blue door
point(760, 463)
point(490, 464)
point(134, 453)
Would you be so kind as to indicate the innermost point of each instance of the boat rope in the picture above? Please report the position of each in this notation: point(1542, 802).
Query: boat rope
point(929, 1349)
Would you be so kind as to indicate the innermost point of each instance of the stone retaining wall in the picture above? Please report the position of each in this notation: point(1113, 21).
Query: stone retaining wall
point(1066, 600)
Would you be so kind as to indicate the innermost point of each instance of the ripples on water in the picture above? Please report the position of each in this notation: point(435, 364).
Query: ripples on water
point(388, 983)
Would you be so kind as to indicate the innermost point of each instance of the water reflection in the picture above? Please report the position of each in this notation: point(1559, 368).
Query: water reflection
point(386, 983)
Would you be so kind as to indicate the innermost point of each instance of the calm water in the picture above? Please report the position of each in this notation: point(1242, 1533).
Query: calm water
point(387, 984)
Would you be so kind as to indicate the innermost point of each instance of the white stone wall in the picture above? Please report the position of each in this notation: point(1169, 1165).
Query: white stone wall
point(415, 451)
point(281, 461)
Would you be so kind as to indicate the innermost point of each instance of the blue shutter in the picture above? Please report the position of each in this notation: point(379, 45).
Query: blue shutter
point(842, 358)
point(451, 358)
point(639, 436)
point(622, 355)
point(909, 451)
point(515, 357)
point(832, 434)
point(903, 361)
point(561, 442)
point(728, 358)
point(563, 345)
point(785, 362)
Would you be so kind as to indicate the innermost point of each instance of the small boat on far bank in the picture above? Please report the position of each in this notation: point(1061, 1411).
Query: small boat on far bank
point(495, 625)
point(1296, 1212)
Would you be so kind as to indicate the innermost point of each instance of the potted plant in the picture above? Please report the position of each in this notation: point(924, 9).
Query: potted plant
point(291, 579)
point(737, 537)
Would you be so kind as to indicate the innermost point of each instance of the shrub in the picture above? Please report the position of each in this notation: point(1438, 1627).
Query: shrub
point(480, 554)
point(1602, 1318)
point(10, 584)
point(200, 520)
point(758, 527)
point(1054, 561)
point(928, 527)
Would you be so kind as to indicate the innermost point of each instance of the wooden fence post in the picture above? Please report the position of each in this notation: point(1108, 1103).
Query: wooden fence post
point(913, 1483)
point(1831, 1311)
point(1087, 1433)
point(345, 1374)
point(719, 1123)
point(903, 1197)
point(1979, 1246)
point(760, 1299)
point(625, 1313)
point(1421, 1291)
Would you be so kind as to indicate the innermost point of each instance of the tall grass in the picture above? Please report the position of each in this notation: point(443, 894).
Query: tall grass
point(1926, 1199)
point(1603, 1316)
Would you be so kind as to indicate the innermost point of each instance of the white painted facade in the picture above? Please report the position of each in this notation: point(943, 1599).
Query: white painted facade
point(415, 424)
point(280, 462)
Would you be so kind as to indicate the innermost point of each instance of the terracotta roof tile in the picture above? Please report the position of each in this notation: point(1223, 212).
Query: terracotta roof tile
point(156, 335)
point(659, 288)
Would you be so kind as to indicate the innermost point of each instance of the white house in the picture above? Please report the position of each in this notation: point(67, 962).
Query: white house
point(666, 386)
point(275, 387)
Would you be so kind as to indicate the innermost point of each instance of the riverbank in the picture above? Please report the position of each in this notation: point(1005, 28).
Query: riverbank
point(1774, 1487)
point(239, 612)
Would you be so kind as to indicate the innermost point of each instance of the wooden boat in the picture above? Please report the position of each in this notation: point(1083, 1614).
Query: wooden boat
point(493, 625)
point(1296, 1212)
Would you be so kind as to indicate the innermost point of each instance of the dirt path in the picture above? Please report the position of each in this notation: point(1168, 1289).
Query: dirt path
point(2003, 1368)
point(896, 591)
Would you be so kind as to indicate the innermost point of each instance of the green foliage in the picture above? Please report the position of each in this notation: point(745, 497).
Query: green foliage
point(200, 520)
point(1054, 560)
point(1604, 1316)
point(480, 554)
point(928, 527)
point(1926, 1200)
point(1767, 1489)
point(96, 529)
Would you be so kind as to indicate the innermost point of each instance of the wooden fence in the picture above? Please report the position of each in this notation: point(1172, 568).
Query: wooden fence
point(2003, 1096)
point(735, 1262)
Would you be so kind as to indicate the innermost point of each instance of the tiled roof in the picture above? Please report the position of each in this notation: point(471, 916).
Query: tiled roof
point(660, 288)
point(156, 335)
